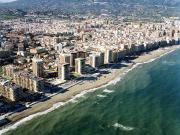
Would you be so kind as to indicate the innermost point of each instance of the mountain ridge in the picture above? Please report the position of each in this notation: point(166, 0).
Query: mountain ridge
point(140, 8)
point(53, 4)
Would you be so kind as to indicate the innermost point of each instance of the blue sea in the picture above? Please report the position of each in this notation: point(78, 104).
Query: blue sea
point(146, 101)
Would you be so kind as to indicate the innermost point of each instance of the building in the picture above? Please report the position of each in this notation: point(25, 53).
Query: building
point(29, 81)
point(121, 54)
point(108, 56)
point(21, 50)
point(72, 60)
point(177, 41)
point(64, 58)
point(64, 71)
point(94, 60)
point(81, 54)
point(164, 43)
point(37, 67)
point(58, 47)
point(137, 48)
point(150, 46)
point(74, 55)
point(10, 90)
point(21, 47)
point(8, 46)
point(80, 65)
point(114, 56)
point(101, 59)
point(38, 50)
point(9, 70)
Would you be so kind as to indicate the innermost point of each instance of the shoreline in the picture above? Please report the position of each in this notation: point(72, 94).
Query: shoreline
point(78, 90)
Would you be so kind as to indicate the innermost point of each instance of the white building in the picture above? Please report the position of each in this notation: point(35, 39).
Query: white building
point(80, 65)
point(64, 72)
point(108, 56)
point(58, 47)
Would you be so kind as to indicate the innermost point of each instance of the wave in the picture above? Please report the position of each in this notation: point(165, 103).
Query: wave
point(55, 106)
point(73, 99)
point(170, 63)
point(151, 60)
point(133, 67)
point(102, 96)
point(122, 127)
point(108, 91)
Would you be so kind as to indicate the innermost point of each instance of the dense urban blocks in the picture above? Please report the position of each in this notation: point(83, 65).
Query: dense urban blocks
point(39, 53)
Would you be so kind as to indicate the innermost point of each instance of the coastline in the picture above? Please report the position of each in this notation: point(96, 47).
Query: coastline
point(80, 89)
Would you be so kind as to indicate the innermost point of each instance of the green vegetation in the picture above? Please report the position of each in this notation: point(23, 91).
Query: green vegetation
point(1, 71)
point(135, 8)
point(7, 77)
point(75, 75)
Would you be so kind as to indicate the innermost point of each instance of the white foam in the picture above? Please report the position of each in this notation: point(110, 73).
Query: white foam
point(74, 101)
point(170, 63)
point(130, 69)
point(102, 96)
point(14, 126)
point(108, 91)
point(151, 60)
point(122, 127)
point(165, 62)
point(113, 81)
point(57, 105)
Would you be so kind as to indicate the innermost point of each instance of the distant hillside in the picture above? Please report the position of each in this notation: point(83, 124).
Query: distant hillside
point(173, 3)
point(137, 8)
point(42, 3)
point(54, 4)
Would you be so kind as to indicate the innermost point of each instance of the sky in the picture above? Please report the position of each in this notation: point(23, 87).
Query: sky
point(6, 0)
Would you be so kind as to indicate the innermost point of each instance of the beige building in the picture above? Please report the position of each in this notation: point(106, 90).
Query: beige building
point(37, 67)
point(9, 70)
point(64, 58)
point(80, 65)
point(37, 50)
point(74, 55)
point(29, 81)
point(108, 58)
point(10, 90)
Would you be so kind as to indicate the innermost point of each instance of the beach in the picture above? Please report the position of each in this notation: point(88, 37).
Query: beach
point(87, 85)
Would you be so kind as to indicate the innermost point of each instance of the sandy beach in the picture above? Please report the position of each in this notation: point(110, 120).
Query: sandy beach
point(86, 85)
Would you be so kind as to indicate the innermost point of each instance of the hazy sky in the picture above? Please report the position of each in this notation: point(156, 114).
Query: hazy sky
point(6, 0)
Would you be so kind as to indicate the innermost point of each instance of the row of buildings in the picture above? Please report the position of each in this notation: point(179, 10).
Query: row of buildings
point(16, 84)
point(67, 63)
point(61, 49)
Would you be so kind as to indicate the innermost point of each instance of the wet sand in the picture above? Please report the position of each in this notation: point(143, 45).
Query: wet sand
point(103, 80)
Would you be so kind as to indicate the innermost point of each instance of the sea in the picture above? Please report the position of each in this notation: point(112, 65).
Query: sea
point(145, 101)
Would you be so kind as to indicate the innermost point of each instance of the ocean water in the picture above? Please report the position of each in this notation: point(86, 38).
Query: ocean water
point(145, 102)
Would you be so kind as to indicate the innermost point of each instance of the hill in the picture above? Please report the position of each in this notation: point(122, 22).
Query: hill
point(55, 4)
point(140, 8)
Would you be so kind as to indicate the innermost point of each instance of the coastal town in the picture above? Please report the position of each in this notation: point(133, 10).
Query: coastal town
point(41, 57)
